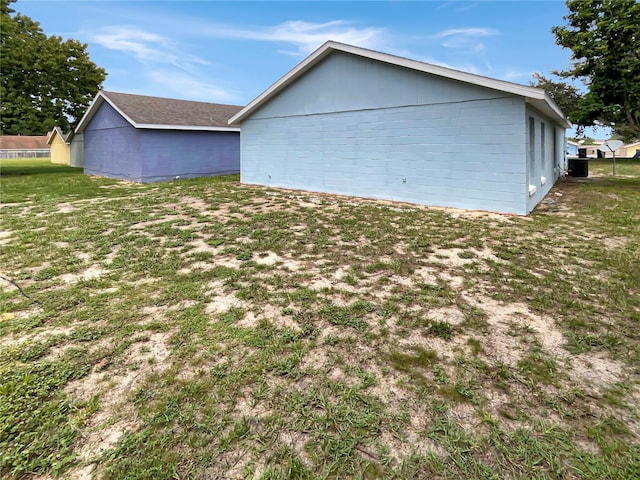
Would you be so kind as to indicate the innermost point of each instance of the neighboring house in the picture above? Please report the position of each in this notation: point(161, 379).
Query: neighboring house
point(572, 148)
point(592, 150)
point(148, 139)
point(631, 150)
point(23, 146)
point(358, 122)
point(76, 149)
point(59, 146)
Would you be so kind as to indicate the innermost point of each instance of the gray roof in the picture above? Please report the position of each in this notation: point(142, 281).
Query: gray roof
point(163, 113)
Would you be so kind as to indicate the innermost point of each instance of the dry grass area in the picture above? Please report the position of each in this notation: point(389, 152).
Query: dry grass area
point(207, 329)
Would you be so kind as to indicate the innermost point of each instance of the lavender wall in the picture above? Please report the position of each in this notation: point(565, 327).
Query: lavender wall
point(113, 148)
point(167, 154)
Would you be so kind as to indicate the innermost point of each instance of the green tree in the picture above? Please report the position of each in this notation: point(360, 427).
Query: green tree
point(566, 96)
point(604, 37)
point(44, 81)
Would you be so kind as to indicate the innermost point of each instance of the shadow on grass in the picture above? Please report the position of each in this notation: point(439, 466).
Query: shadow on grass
point(15, 169)
point(618, 183)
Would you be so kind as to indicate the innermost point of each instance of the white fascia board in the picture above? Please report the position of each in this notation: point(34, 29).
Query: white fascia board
point(53, 133)
point(87, 115)
point(328, 47)
point(548, 109)
point(294, 73)
point(93, 108)
point(466, 77)
point(154, 126)
point(115, 107)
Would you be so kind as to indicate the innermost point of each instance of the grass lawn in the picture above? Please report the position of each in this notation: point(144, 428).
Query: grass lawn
point(205, 329)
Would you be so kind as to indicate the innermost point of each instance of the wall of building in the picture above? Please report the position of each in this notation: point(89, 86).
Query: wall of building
point(545, 155)
point(168, 154)
point(76, 150)
point(59, 151)
point(358, 127)
point(112, 146)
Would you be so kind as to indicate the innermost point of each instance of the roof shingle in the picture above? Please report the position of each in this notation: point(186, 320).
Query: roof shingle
point(167, 111)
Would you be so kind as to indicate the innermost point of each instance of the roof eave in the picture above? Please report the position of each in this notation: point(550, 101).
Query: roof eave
point(549, 108)
point(533, 93)
point(205, 128)
point(289, 77)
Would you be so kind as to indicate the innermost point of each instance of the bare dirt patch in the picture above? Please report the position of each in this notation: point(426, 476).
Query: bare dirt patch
point(502, 344)
point(5, 237)
point(451, 315)
point(113, 385)
point(91, 273)
point(595, 370)
point(222, 303)
point(66, 207)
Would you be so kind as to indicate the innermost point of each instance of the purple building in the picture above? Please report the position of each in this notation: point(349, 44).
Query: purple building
point(150, 139)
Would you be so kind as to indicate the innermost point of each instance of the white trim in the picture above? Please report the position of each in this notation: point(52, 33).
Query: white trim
point(56, 131)
point(91, 111)
point(543, 180)
point(537, 96)
point(532, 190)
point(155, 126)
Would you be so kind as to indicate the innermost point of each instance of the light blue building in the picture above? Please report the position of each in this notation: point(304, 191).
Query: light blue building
point(572, 148)
point(352, 121)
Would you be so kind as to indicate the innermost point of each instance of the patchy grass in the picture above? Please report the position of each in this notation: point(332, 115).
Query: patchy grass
point(207, 329)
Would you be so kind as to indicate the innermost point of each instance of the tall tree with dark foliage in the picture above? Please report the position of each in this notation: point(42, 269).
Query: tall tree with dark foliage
point(604, 36)
point(44, 81)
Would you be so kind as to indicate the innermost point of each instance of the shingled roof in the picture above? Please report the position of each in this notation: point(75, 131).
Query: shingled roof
point(163, 113)
point(23, 142)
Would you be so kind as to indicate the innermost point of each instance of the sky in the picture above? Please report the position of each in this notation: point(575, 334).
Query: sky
point(231, 51)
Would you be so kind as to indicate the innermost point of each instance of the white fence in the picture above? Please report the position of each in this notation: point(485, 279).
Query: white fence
point(35, 153)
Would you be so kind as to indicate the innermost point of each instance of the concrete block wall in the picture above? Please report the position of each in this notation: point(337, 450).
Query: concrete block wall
point(112, 146)
point(465, 154)
point(360, 127)
point(546, 160)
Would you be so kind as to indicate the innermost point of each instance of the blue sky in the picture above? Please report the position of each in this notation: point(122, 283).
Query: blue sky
point(229, 52)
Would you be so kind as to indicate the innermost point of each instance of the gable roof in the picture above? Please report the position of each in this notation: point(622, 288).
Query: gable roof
point(163, 113)
point(23, 142)
point(536, 96)
point(57, 131)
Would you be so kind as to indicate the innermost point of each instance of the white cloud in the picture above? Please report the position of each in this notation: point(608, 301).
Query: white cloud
point(518, 76)
point(466, 67)
point(465, 38)
point(144, 46)
point(181, 85)
point(305, 37)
